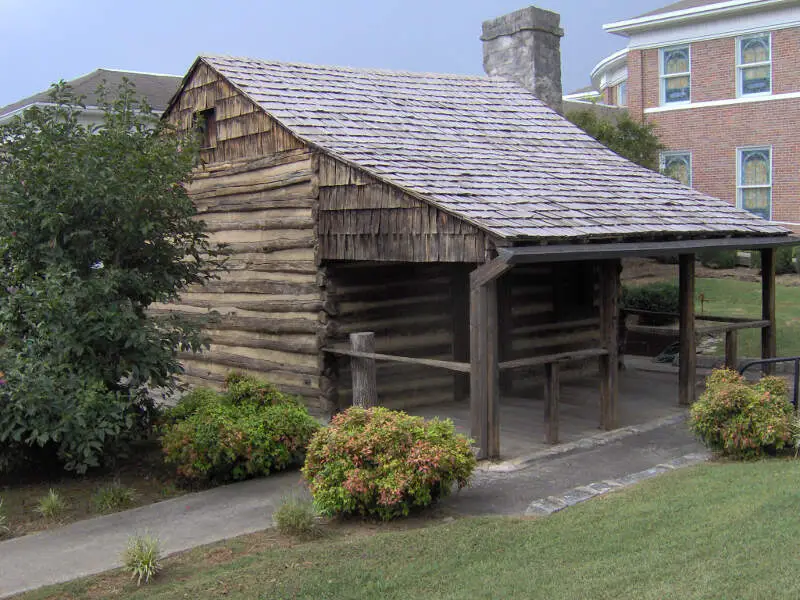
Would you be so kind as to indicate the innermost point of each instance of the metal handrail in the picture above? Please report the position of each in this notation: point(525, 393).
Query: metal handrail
point(772, 361)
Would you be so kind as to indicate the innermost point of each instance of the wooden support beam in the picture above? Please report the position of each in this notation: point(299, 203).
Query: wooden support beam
point(492, 371)
point(609, 273)
point(488, 272)
point(688, 350)
point(505, 330)
point(769, 343)
point(477, 381)
point(365, 388)
point(459, 289)
point(551, 398)
point(731, 348)
point(408, 360)
point(484, 369)
point(538, 361)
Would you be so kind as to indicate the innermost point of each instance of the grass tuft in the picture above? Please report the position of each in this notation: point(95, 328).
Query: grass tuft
point(113, 498)
point(296, 517)
point(4, 529)
point(142, 557)
point(52, 505)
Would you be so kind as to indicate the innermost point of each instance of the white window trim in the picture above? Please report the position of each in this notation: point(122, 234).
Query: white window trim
point(740, 66)
point(662, 77)
point(667, 153)
point(740, 187)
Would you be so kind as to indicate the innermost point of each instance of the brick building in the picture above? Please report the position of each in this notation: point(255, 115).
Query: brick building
point(722, 84)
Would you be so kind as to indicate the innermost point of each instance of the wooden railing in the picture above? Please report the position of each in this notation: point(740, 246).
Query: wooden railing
point(730, 326)
point(364, 373)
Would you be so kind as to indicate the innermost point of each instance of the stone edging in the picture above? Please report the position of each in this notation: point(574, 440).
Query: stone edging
point(551, 504)
point(588, 443)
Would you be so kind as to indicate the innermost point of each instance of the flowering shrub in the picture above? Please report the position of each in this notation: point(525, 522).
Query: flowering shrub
point(741, 419)
point(383, 463)
point(246, 431)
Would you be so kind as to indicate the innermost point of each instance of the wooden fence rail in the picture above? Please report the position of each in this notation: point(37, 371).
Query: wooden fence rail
point(365, 385)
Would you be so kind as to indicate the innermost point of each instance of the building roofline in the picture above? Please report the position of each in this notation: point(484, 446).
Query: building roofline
point(716, 9)
point(616, 59)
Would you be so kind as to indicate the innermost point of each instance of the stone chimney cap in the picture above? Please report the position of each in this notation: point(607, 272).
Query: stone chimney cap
point(531, 18)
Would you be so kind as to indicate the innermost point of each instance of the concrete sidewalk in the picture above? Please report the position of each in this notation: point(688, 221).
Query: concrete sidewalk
point(93, 546)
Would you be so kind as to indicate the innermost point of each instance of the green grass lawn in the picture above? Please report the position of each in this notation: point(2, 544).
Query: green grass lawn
point(729, 297)
point(726, 530)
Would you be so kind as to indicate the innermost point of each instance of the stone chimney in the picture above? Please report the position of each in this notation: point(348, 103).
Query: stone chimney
point(525, 46)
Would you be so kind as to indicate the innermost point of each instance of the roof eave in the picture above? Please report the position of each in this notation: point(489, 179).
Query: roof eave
point(718, 9)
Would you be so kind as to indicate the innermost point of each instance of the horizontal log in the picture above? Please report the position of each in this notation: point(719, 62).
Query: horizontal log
point(229, 190)
point(294, 343)
point(724, 327)
point(299, 196)
point(217, 374)
point(258, 287)
point(558, 326)
point(427, 362)
point(535, 361)
point(270, 325)
point(264, 265)
point(272, 245)
point(267, 224)
point(227, 236)
point(252, 303)
point(247, 165)
point(289, 360)
point(275, 173)
point(235, 361)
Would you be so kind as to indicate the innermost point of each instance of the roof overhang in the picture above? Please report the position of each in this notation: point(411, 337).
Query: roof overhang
point(577, 252)
point(677, 17)
point(615, 61)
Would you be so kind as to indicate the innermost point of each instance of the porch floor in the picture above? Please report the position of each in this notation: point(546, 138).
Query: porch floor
point(643, 396)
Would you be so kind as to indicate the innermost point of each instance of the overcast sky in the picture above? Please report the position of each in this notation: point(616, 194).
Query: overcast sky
point(42, 41)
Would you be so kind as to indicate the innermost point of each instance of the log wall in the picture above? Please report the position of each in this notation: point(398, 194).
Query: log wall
point(257, 192)
point(411, 310)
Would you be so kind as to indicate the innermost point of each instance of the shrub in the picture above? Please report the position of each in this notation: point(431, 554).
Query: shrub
point(784, 260)
point(96, 226)
point(142, 557)
point(660, 296)
point(247, 431)
point(113, 498)
point(296, 516)
point(52, 505)
point(384, 463)
point(718, 259)
point(740, 419)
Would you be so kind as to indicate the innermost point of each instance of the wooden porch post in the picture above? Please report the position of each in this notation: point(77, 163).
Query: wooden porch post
point(459, 286)
point(484, 358)
point(688, 356)
point(365, 387)
point(769, 345)
point(505, 330)
point(609, 274)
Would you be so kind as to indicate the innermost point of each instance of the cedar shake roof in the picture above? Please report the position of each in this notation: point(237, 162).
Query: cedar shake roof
point(483, 149)
point(157, 89)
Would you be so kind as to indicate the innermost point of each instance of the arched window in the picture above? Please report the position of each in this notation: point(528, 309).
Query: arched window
point(754, 65)
point(675, 75)
point(755, 181)
point(678, 166)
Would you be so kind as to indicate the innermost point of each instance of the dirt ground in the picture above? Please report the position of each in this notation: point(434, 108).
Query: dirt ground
point(647, 270)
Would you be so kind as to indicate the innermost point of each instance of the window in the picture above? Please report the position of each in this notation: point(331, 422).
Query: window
point(678, 166)
point(675, 75)
point(754, 181)
point(754, 65)
point(622, 94)
point(205, 123)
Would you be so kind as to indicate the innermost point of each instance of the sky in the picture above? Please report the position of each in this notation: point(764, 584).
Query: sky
point(42, 41)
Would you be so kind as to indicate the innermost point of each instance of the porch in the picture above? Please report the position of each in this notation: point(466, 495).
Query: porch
point(644, 396)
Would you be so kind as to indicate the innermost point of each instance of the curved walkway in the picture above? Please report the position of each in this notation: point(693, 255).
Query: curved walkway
point(92, 546)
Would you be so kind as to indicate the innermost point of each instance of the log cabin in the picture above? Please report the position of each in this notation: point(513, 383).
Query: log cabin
point(475, 231)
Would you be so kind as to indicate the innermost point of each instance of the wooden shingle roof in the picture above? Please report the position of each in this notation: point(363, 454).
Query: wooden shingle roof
point(483, 149)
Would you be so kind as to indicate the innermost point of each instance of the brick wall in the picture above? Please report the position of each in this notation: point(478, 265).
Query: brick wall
point(713, 134)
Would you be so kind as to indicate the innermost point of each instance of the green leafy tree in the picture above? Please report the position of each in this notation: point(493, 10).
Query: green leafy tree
point(96, 227)
point(635, 141)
